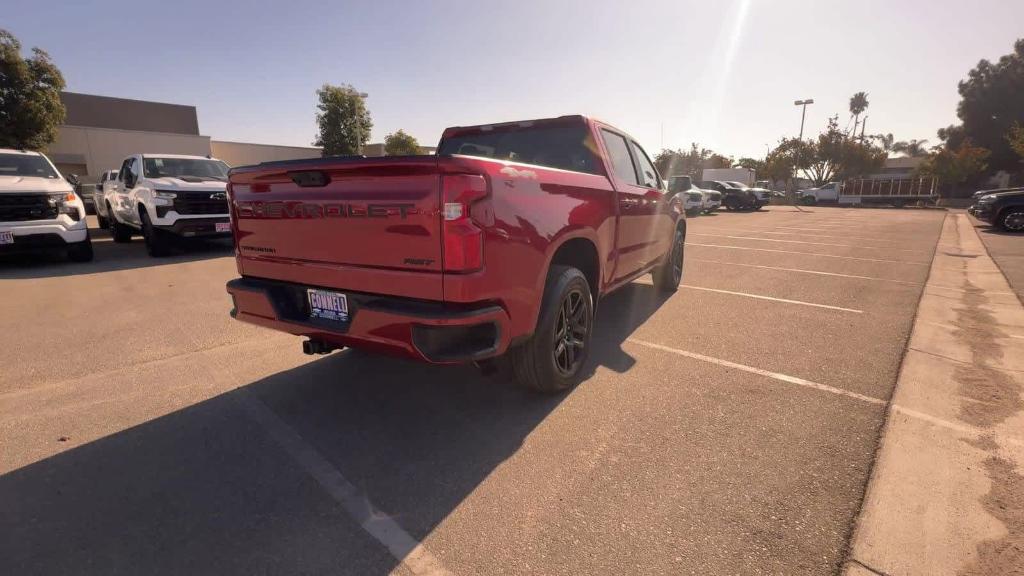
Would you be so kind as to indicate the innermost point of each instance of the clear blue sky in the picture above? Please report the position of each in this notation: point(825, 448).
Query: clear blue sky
point(723, 74)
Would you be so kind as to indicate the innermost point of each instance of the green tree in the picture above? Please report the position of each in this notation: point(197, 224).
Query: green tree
point(1016, 139)
point(400, 144)
point(858, 104)
point(30, 105)
point(751, 164)
point(913, 148)
point(991, 102)
point(955, 167)
point(343, 120)
point(885, 141)
point(837, 156)
point(689, 163)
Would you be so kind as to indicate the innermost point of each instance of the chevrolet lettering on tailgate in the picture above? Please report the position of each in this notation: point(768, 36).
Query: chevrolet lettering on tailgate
point(299, 209)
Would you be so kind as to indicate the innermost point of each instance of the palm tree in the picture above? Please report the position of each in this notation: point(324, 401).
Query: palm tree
point(858, 104)
point(884, 140)
point(912, 148)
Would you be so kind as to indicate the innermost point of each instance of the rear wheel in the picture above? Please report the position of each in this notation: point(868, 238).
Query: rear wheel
point(1012, 220)
point(668, 275)
point(157, 243)
point(552, 360)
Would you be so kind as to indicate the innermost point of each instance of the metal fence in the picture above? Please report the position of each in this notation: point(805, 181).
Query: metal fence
point(913, 187)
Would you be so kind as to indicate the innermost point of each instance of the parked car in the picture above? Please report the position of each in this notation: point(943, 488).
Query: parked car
point(1002, 209)
point(693, 200)
point(503, 242)
point(733, 197)
point(39, 209)
point(763, 194)
point(107, 181)
point(166, 196)
point(824, 193)
point(712, 200)
point(981, 193)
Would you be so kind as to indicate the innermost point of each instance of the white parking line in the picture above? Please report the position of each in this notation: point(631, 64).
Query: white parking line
point(809, 254)
point(818, 272)
point(773, 299)
point(760, 372)
point(382, 527)
point(961, 428)
point(860, 247)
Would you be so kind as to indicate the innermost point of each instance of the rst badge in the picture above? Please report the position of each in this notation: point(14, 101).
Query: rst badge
point(327, 305)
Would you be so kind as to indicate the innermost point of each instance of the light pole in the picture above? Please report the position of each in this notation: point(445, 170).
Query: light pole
point(803, 116)
point(359, 126)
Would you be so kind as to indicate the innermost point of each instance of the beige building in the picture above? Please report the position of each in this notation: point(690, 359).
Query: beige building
point(100, 131)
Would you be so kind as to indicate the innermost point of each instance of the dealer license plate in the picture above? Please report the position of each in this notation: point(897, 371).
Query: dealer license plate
point(327, 305)
point(7, 237)
point(222, 227)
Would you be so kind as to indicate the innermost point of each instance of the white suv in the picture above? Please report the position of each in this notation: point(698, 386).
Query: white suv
point(163, 196)
point(39, 210)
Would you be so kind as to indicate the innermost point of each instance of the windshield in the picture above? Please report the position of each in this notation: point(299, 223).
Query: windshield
point(26, 165)
point(739, 185)
point(156, 167)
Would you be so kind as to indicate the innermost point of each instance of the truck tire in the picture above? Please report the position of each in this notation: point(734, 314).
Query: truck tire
point(731, 204)
point(81, 251)
point(101, 221)
point(157, 243)
point(552, 359)
point(1011, 220)
point(120, 232)
point(669, 273)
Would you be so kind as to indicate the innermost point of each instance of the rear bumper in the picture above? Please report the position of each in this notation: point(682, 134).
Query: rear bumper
point(424, 330)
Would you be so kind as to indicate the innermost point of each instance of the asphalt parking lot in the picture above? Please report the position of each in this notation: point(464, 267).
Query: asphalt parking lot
point(729, 429)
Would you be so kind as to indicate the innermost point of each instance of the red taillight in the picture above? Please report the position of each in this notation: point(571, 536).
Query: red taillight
point(463, 241)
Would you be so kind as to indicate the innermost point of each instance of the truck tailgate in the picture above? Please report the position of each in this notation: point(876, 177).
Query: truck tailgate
point(365, 225)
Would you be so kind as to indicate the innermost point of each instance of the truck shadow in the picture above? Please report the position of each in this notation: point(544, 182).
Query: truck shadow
point(207, 490)
point(108, 256)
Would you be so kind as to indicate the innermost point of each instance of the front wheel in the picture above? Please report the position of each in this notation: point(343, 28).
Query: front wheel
point(81, 251)
point(156, 241)
point(1011, 220)
point(553, 359)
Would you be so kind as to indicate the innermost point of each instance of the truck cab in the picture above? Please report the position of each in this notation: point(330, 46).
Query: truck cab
point(39, 209)
point(824, 193)
point(168, 196)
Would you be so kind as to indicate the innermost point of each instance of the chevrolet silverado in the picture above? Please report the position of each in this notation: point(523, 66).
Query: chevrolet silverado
point(503, 242)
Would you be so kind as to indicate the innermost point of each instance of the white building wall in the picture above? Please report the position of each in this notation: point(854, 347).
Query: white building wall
point(101, 149)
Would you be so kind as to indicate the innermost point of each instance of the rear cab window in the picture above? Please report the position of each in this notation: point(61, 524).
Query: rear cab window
point(557, 145)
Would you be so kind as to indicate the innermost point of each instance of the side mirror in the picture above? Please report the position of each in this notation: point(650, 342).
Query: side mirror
point(72, 179)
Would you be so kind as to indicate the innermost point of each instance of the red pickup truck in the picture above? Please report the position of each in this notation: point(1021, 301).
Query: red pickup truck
point(504, 241)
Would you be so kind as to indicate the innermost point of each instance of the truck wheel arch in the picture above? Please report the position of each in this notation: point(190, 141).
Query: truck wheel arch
point(580, 252)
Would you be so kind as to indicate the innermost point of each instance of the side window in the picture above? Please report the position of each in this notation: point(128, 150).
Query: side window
point(648, 175)
point(618, 153)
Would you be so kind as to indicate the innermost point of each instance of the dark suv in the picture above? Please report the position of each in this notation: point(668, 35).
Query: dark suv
point(1003, 209)
point(734, 197)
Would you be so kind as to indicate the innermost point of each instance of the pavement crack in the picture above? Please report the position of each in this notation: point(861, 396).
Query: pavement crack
point(871, 569)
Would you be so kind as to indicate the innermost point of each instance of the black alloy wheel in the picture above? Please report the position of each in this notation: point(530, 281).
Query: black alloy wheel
point(569, 339)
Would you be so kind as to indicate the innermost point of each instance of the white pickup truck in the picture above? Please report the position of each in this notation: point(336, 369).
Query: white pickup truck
point(39, 210)
point(164, 196)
